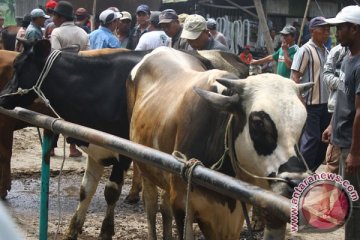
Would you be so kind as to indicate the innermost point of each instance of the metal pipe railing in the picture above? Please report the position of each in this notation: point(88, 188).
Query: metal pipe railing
point(202, 176)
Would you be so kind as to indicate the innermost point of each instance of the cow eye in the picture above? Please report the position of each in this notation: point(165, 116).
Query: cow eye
point(263, 132)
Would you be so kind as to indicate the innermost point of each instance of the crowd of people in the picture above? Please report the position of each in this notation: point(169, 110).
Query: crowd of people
point(332, 127)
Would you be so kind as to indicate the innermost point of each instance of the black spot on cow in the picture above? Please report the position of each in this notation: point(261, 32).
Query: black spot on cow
point(109, 161)
point(82, 193)
point(294, 164)
point(263, 133)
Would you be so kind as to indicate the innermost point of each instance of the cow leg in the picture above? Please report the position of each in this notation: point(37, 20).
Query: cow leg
point(150, 199)
point(6, 142)
point(112, 193)
point(134, 194)
point(166, 213)
point(90, 181)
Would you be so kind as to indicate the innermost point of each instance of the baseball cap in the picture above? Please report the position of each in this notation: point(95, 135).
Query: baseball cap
point(154, 17)
point(211, 23)
point(349, 14)
point(193, 26)
point(108, 16)
point(288, 29)
point(125, 15)
point(143, 8)
point(50, 5)
point(167, 16)
point(317, 22)
point(37, 12)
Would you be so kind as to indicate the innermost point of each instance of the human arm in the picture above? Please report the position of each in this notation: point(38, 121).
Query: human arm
point(330, 78)
point(287, 58)
point(353, 159)
point(299, 65)
point(54, 39)
point(263, 60)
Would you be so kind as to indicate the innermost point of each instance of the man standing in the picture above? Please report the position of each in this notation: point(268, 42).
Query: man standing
point(33, 31)
point(66, 33)
point(142, 18)
point(124, 29)
point(346, 117)
point(169, 22)
point(308, 66)
point(211, 25)
point(103, 37)
point(198, 36)
point(155, 37)
point(283, 56)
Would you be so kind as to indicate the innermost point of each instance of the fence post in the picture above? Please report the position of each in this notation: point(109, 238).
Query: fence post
point(45, 176)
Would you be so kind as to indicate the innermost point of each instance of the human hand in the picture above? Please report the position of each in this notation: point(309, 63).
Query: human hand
point(284, 46)
point(352, 164)
point(326, 135)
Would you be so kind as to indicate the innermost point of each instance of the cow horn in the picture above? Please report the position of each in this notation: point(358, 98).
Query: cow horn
point(236, 85)
point(224, 103)
point(304, 87)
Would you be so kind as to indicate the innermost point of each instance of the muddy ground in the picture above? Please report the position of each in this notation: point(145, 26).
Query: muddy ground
point(23, 200)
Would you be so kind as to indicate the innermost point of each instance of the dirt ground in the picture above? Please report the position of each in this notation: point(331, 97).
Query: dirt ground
point(23, 201)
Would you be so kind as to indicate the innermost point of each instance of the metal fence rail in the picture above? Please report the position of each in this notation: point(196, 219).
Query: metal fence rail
point(278, 205)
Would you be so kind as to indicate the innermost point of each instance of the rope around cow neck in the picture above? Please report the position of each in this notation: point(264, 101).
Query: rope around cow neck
point(36, 88)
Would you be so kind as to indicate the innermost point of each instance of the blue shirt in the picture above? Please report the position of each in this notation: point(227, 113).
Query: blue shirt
point(103, 38)
point(33, 33)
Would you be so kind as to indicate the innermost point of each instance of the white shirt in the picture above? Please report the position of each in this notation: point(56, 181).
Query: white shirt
point(153, 39)
point(69, 34)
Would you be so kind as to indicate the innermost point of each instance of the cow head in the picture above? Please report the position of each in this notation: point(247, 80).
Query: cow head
point(268, 121)
point(28, 66)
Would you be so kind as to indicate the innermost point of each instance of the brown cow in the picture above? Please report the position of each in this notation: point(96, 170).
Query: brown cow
point(266, 125)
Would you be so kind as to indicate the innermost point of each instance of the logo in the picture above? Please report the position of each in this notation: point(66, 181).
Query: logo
point(321, 203)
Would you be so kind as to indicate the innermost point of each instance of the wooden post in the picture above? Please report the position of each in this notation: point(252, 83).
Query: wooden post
point(263, 26)
point(303, 22)
point(93, 16)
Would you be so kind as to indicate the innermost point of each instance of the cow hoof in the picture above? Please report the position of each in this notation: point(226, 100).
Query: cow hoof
point(132, 199)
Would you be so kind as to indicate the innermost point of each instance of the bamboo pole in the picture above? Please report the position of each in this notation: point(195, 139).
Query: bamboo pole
point(303, 22)
point(263, 25)
point(93, 16)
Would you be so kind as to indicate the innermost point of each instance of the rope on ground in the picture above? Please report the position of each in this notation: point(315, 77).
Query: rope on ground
point(186, 174)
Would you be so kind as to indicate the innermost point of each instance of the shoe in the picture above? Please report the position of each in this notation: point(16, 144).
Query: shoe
point(75, 153)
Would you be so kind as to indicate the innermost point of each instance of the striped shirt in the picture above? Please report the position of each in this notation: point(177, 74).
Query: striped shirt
point(309, 60)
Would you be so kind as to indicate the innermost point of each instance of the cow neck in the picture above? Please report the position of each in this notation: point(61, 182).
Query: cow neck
point(229, 147)
point(45, 71)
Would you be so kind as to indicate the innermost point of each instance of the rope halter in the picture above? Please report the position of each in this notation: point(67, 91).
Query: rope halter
point(37, 87)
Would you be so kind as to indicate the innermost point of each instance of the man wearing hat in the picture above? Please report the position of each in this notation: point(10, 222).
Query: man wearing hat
point(198, 36)
point(211, 25)
point(103, 37)
point(82, 19)
point(124, 29)
point(345, 128)
point(34, 32)
point(284, 55)
point(142, 18)
point(169, 22)
point(66, 33)
point(155, 37)
point(308, 66)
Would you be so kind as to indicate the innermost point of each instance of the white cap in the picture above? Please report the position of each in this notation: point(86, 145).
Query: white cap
point(108, 16)
point(193, 26)
point(349, 14)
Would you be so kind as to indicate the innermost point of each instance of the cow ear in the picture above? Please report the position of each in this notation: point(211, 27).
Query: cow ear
point(221, 102)
point(304, 87)
point(235, 85)
point(42, 48)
